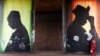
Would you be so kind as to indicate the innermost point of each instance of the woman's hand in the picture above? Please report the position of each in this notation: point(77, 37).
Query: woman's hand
point(91, 19)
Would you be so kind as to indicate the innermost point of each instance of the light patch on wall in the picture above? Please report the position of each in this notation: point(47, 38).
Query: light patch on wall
point(87, 27)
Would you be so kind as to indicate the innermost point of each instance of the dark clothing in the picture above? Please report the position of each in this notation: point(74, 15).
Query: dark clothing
point(19, 41)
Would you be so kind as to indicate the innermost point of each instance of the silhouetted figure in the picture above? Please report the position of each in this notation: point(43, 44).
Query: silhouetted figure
point(19, 41)
point(77, 40)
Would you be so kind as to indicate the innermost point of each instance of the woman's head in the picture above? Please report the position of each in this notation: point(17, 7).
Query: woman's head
point(14, 19)
point(81, 11)
point(81, 14)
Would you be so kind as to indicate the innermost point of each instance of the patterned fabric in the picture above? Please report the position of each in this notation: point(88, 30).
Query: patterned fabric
point(19, 41)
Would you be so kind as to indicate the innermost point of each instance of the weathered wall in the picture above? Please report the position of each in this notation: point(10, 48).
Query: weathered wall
point(48, 31)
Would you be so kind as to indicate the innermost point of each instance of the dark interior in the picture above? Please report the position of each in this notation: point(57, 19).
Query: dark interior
point(48, 25)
